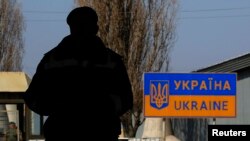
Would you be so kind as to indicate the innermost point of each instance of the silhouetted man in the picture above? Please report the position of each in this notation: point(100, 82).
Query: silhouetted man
point(81, 85)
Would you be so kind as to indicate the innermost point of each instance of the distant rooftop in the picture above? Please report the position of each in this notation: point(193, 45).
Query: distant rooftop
point(13, 81)
point(231, 65)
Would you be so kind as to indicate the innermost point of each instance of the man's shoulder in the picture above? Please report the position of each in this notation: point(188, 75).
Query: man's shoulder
point(114, 55)
point(52, 51)
point(59, 49)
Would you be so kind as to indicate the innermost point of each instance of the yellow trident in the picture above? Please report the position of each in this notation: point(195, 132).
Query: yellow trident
point(159, 94)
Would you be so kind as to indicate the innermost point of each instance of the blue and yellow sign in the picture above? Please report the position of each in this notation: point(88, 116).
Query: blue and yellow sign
point(190, 94)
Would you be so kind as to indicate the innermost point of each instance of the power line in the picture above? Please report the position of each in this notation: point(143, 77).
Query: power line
point(45, 12)
point(197, 10)
point(44, 20)
point(219, 9)
point(216, 17)
point(203, 17)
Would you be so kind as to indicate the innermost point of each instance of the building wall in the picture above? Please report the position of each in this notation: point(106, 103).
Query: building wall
point(243, 103)
point(196, 129)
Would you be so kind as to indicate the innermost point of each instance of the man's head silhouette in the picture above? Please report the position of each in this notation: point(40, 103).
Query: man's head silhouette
point(83, 21)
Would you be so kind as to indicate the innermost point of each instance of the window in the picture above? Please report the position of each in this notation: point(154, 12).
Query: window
point(35, 124)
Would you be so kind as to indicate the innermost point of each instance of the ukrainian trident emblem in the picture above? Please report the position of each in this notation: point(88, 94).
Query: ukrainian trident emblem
point(159, 93)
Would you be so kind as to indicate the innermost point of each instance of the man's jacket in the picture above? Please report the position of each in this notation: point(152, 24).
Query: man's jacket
point(79, 80)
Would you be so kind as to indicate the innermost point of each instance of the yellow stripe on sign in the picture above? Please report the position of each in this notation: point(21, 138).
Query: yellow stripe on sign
point(194, 106)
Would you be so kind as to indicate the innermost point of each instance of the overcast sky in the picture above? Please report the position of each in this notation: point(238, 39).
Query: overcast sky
point(208, 31)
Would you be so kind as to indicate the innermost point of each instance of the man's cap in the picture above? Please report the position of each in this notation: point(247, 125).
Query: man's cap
point(11, 123)
point(82, 15)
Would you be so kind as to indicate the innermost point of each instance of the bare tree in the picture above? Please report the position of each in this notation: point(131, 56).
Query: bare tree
point(142, 31)
point(11, 40)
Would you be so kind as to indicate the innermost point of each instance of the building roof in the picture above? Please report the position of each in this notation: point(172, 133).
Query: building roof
point(231, 65)
point(13, 81)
